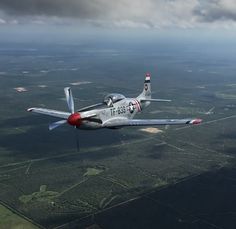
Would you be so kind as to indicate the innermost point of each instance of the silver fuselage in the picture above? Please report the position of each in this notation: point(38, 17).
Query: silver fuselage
point(124, 109)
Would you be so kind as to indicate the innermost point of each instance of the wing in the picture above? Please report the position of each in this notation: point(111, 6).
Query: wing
point(149, 122)
point(91, 107)
point(155, 100)
point(53, 113)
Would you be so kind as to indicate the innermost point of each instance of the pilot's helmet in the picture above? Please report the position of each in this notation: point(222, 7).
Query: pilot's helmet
point(109, 102)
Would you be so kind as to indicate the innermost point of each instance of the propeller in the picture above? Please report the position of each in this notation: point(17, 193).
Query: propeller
point(74, 119)
point(77, 139)
point(69, 100)
point(56, 124)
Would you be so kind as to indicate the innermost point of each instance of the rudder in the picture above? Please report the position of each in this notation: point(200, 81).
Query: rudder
point(147, 87)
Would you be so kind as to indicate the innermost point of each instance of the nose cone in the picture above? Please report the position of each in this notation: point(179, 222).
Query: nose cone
point(74, 119)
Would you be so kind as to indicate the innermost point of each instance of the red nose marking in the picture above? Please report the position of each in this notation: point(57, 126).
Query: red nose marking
point(197, 121)
point(74, 119)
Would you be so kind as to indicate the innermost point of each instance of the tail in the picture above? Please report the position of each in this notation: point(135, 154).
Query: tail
point(145, 97)
point(146, 94)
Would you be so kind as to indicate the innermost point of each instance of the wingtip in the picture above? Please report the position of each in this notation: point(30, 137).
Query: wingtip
point(30, 109)
point(196, 121)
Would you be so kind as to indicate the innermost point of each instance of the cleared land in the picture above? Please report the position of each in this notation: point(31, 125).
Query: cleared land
point(10, 220)
point(43, 177)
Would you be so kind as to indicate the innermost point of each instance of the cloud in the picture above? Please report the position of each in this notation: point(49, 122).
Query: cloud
point(121, 13)
point(60, 8)
point(2, 21)
point(216, 10)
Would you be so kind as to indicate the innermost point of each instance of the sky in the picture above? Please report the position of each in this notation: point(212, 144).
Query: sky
point(162, 17)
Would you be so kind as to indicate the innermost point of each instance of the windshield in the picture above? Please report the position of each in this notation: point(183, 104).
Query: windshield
point(113, 98)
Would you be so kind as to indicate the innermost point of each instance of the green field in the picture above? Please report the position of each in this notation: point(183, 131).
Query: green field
point(10, 220)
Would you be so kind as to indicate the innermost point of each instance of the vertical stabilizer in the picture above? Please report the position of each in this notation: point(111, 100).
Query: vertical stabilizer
point(146, 94)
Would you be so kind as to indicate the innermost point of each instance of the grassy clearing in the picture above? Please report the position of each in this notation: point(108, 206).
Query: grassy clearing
point(93, 172)
point(9, 220)
point(42, 196)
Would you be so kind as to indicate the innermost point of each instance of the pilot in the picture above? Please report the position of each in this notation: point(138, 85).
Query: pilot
point(109, 102)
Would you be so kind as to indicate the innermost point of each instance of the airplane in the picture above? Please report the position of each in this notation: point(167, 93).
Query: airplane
point(114, 112)
point(211, 111)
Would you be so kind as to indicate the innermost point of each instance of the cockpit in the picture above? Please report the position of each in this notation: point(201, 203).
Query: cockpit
point(113, 98)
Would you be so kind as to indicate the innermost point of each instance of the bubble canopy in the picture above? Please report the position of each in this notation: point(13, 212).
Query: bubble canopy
point(113, 98)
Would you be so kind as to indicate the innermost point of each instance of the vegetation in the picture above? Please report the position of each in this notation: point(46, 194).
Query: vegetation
point(93, 171)
point(133, 162)
point(42, 196)
point(10, 220)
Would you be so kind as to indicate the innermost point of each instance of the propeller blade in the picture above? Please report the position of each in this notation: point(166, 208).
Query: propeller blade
point(56, 124)
point(69, 99)
point(77, 139)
